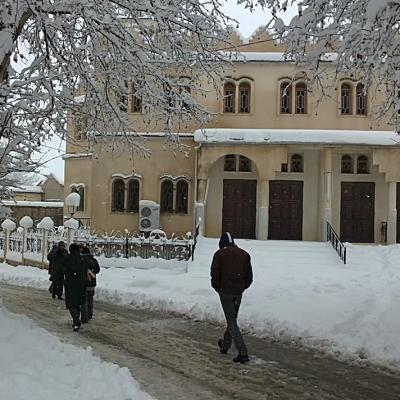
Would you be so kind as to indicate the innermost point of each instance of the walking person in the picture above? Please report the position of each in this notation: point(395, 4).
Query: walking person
point(75, 270)
point(231, 275)
point(56, 269)
point(93, 269)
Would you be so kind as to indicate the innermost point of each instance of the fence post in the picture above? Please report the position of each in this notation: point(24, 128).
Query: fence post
point(6, 244)
point(126, 255)
point(26, 223)
point(8, 226)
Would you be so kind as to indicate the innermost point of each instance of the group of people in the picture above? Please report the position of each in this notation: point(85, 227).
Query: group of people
point(76, 273)
point(231, 275)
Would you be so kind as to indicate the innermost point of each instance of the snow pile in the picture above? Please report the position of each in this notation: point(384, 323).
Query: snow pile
point(46, 223)
point(301, 291)
point(71, 223)
point(26, 222)
point(35, 365)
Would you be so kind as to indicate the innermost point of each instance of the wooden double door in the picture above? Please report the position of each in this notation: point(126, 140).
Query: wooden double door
point(357, 212)
point(285, 220)
point(239, 208)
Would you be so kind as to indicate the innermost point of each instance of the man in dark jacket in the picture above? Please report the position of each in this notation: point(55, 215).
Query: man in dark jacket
point(231, 274)
point(93, 269)
point(75, 270)
point(56, 268)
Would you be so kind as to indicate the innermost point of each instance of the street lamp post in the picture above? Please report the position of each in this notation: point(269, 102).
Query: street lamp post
point(72, 202)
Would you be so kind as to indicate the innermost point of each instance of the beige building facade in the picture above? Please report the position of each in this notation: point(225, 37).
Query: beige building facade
point(276, 162)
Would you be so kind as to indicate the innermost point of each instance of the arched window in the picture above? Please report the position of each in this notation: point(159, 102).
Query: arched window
point(347, 164)
point(244, 97)
point(167, 196)
point(230, 163)
point(362, 164)
point(136, 101)
point(286, 98)
point(345, 93)
point(118, 195)
point(296, 163)
point(301, 98)
point(182, 195)
point(244, 164)
point(361, 100)
point(133, 195)
point(81, 191)
point(229, 97)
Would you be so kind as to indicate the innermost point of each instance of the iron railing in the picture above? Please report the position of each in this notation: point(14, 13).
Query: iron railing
point(331, 236)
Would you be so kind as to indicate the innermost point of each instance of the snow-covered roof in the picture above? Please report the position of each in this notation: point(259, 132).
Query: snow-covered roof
point(23, 203)
point(268, 57)
point(289, 136)
point(28, 189)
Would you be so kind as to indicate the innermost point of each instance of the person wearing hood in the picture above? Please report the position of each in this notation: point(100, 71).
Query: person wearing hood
point(231, 275)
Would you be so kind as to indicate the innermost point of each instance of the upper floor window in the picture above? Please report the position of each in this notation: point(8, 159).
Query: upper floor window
point(80, 189)
point(229, 97)
point(301, 98)
point(118, 195)
point(286, 98)
point(361, 100)
point(345, 93)
point(244, 164)
point(133, 195)
point(244, 97)
point(296, 163)
point(347, 164)
point(182, 194)
point(230, 163)
point(136, 101)
point(167, 196)
point(362, 164)
point(123, 99)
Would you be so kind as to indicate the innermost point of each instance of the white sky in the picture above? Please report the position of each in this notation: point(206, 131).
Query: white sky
point(248, 23)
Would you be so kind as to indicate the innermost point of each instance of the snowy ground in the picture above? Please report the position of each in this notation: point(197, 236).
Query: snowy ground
point(301, 291)
point(35, 365)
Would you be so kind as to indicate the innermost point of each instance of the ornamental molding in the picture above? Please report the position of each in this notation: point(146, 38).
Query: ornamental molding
point(175, 178)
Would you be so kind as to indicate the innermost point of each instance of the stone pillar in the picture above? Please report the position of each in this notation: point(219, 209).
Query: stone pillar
point(327, 192)
point(392, 214)
point(263, 208)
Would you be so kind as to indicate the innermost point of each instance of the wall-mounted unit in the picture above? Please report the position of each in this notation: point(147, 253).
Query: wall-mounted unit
point(149, 215)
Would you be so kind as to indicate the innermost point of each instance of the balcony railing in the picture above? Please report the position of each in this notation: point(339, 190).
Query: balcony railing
point(331, 236)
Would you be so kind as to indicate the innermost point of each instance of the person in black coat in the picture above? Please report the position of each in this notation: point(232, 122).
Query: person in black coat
point(56, 269)
point(93, 269)
point(75, 271)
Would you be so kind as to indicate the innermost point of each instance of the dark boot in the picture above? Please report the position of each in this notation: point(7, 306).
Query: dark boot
point(222, 349)
point(241, 358)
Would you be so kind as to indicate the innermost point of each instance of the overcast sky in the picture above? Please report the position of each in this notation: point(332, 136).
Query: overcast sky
point(248, 23)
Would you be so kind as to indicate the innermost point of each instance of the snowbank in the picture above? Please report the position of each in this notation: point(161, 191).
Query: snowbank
point(301, 291)
point(35, 365)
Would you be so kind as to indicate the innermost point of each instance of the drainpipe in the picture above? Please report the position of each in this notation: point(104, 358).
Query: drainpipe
point(196, 148)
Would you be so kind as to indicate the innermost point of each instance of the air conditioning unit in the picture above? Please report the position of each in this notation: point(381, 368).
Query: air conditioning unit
point(149, 215)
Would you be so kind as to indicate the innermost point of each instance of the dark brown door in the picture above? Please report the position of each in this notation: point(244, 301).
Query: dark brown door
point(285, 210)
point(357, 212)
point(239, 208)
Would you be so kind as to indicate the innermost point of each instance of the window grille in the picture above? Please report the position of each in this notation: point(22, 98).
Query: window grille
point(118, 194)
point(244, 164)
point(360, 100)
point(362, 165)
point(133, 195)
point(347, 164)
point(296, 163)
point(301, 98)
point(286, 98)
point(346, 99)
point(244, 97)
point(182, 192)
point(167, 196)
point(230, 163)
point(229, 98)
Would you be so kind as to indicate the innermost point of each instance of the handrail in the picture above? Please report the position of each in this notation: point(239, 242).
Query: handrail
point(331, 236)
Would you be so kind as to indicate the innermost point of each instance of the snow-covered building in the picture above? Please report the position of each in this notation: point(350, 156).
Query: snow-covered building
point(276, 162)
point(39, 196)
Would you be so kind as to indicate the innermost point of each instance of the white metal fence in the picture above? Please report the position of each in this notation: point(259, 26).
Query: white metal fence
point(31, 246)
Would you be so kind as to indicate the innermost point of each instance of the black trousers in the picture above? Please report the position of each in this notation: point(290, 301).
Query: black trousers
point(57, 287)
point(87, 308)
point(75, 312)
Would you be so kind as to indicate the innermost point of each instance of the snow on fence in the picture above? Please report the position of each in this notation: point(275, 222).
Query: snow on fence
point(29, 245)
